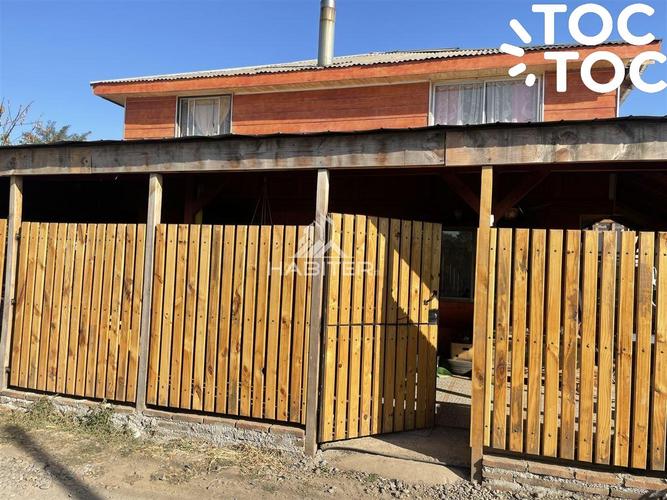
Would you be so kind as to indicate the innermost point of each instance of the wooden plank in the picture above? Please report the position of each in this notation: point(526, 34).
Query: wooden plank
point(298, 332)
point(606, 348)
point(503, 290)
point(47, 301)
point(434, 304)
point(180, 298)
point(519, 313)
point(75, 311)
point(380, 328)
point(248, 336)
point(237, 319)
point(54, 326)
point(659, 383)
point(480, 316)
point(105, 309)
point(422, 329)
point(210, 375)
point(624, 353)
point(344, 301)
point(261, 321)
point(314, 314)
point(166, 342)
point(116, 306)
point(156, 316)
point(402, 329)
point(331, 329)
point(192, 273)
point(38, 301)
point(392, 298)
point(570, 334)
point(135, 347)
point(125, 325)
point(22, 287)
point(552, 344)
point(224, 328)
point(356, 329)
point(538, 252)
point(415, 302)
point(642, 371)
point(589, 294)
point(141, 333)
point(286, 312)
point(370, 305)
point(95, 324)
point(203, 291)
point(9, 312)
point(32, 234)
point(490, 333)
point(68, 277)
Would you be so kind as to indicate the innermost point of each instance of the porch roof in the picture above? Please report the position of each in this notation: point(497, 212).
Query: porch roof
point(618, 140)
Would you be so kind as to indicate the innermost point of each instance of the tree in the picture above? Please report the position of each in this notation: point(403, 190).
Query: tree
point(11, 121)
point(46, 132)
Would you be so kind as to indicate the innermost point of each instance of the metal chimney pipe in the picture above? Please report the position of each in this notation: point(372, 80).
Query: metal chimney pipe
point(327, 23)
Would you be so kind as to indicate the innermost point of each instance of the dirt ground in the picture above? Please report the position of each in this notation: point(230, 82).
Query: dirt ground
point(44, 454)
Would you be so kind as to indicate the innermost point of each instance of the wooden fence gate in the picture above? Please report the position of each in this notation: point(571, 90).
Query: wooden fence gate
point(576, 346)
point(381, 304)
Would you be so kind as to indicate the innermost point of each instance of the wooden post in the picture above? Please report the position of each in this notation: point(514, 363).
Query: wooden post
point(480, 325)
point(152, 220)
point(13, 229)
point(316, 305)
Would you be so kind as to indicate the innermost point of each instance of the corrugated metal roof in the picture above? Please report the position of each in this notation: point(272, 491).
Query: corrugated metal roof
point(372, 58)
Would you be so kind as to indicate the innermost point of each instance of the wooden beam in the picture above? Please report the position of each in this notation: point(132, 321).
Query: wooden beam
point(612, 141)
point(13, 234)
point(462, 189)
point(153, 219)
point(389, 149)
point(518, 193)
point(316, 305)
point(480, 325)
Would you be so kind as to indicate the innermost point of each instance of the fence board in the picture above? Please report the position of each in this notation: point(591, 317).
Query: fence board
point(659, 416)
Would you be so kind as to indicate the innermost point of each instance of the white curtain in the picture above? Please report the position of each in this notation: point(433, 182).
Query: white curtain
point(511, 102)
point(205, 116)
point(459, 104)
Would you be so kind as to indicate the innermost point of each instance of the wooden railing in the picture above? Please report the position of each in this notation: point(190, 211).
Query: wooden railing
point(577, 346)
point(230, 320)
point(78, 309)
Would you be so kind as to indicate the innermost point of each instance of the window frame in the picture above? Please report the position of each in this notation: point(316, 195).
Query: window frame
point(179, 99)
point(484, 81)
point(441, 295)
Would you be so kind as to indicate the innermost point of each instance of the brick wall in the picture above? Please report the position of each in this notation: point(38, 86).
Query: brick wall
point(345, 109)
point(150, 117)
point(579, 103)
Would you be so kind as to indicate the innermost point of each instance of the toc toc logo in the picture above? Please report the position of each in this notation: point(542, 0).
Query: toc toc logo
point(574, 24)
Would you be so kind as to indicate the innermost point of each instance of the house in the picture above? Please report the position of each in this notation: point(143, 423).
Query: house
point(152, 272)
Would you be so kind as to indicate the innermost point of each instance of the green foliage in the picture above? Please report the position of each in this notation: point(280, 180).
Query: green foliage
point(48, 132)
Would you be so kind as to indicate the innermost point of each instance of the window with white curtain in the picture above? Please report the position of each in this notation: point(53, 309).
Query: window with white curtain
point(204, 115)
point(504, 101)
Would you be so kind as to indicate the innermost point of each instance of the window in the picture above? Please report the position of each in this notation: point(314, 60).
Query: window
point(503, 101)
point(458, 264)
point(204, 115)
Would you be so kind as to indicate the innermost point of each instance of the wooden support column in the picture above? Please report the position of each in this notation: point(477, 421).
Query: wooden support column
point(316, 307)
point(153, 219)
point(480, 324)
point(13, 229)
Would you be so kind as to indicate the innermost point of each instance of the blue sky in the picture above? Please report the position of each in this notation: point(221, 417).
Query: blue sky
point(50, 50)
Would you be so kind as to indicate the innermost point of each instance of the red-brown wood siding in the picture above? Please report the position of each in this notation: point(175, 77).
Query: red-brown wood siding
point(150, 117)
point(579, 102)
point(345, 109)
